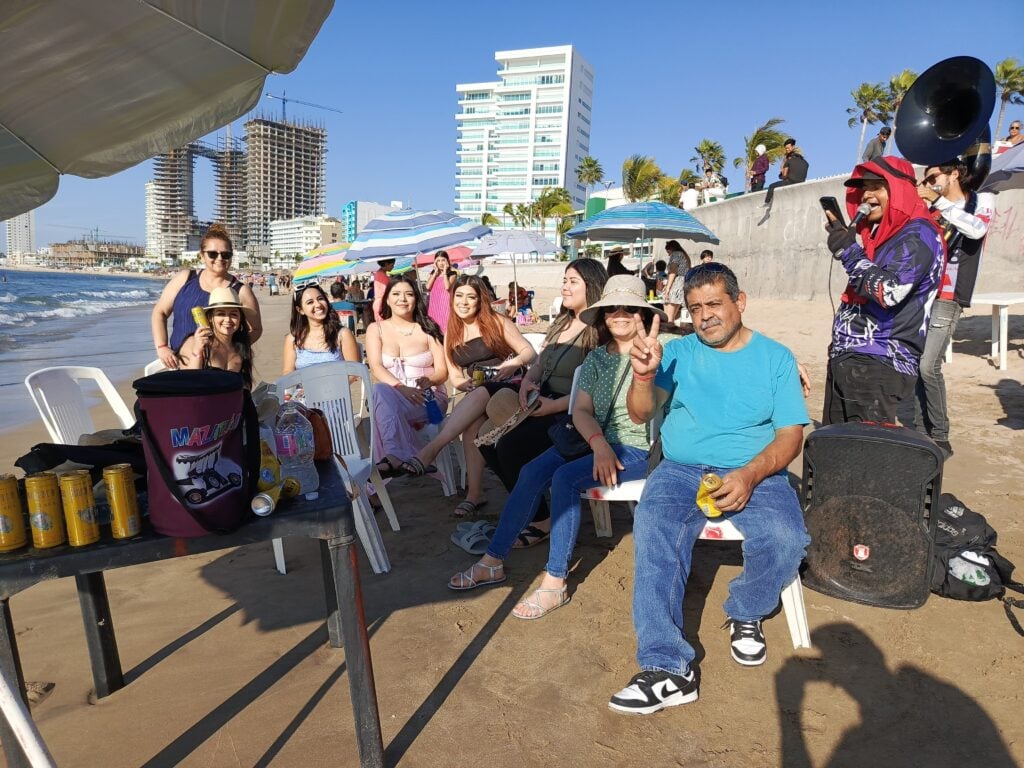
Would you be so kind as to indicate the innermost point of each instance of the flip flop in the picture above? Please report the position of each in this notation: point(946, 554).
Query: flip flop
point(393, 468)
point(473, 541)
point(414, 468)
point(469, 526)
point(467, 507)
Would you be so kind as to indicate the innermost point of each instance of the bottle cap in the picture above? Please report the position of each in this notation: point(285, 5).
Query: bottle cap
point(312, 496)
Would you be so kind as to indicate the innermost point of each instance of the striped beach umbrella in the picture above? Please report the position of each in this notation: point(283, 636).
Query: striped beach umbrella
point(640, 220)
point(321, 262)
point(407, 233)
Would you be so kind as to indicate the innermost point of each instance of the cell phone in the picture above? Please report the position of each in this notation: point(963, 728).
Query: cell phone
point(831, 205)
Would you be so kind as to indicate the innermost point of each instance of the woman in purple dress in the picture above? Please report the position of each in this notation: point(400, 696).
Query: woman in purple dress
point(439, 286)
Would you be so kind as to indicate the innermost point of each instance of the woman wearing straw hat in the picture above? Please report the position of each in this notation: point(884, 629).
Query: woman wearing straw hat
point(225, 343)
point(620, 450)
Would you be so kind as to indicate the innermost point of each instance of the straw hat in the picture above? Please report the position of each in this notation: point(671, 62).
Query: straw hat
point(621, 291)
point(223, 298)
point(503, 415)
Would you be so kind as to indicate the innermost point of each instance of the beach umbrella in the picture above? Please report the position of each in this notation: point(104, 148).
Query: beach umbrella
point(366, 266)
point(408, 233)
point(640, 220)
point(511, 242)
point(457, 255)
point(1007, 171)
point(321, 262)
point(91, 88)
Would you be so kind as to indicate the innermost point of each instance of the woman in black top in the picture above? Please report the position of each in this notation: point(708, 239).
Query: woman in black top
point(477, 338)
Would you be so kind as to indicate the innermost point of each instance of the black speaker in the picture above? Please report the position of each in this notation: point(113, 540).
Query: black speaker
point(868, 494)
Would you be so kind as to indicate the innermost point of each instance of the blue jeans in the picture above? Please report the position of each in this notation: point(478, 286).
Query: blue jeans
point(926, 411)
point(665, 527)
point(567, 481)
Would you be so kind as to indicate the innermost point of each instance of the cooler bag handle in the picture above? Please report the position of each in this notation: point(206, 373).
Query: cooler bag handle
point(251, 453)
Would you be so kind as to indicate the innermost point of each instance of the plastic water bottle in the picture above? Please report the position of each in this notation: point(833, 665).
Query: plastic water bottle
point(434, 415)
point(293, 436)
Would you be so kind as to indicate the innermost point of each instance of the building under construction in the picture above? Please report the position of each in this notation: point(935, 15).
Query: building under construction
point(278, 171)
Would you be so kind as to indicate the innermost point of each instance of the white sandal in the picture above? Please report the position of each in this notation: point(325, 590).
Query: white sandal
point(538, 611)
point(466, 580)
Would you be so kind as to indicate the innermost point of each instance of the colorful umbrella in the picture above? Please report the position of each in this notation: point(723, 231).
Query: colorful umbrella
point(321, 262)
point(639, 220)
point(407, 233)
point(456, 255)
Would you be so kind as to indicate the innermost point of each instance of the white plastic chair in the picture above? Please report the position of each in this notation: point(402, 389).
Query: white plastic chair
point(536, 340)
point(600, 498)
point(556, 307)
point(154, 367)
point(58, 396)
point(326, 386)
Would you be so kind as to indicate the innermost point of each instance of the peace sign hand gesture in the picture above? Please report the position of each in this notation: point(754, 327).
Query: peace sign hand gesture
point(646, 353)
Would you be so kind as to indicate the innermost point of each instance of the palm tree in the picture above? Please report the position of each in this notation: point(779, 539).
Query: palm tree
point(870, 105)
point(588, 173)
point(1010, 82)
point(510, 210)
point(554, 202)
point(899, 85)
point(525, 214)
point(640, 175)
point(669, 191)
point(592, 250)
point(489, 219)
point(764, 134)
point(686, 176)
point(710, 155)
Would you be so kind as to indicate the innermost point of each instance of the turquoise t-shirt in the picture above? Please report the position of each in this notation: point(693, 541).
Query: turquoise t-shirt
point(724, 407)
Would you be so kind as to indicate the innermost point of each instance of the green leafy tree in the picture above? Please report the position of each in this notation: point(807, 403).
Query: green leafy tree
point(1010, 82)
point(669, 190)
point(688, 176)
point(510, 210)
point(710, 155)
point(554, 202)
point(870, 105)
point(767, 134)
point(488, 219)
point(640, 176)
point(525, 214)
point(899, 85)
point(592, 250)
point(588, 173)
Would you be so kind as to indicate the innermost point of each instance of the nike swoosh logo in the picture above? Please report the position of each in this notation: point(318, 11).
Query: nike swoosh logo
point(667, 688)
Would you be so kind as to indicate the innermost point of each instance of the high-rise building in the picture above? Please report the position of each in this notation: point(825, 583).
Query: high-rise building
point(21, 235)
point(285, 174)
point(298, 236)
point(356, 213)
point(525, 132)
point(154, 238)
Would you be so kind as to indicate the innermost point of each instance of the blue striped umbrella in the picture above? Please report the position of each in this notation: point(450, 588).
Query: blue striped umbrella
point(628, 222)
point(407, 233)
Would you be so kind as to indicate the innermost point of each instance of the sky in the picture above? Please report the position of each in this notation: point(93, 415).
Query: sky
point(667, 74)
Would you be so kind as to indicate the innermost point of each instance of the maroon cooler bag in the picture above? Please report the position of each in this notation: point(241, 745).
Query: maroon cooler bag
point(200, 433)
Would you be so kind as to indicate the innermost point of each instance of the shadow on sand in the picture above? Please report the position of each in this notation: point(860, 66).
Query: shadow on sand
point(914, 718)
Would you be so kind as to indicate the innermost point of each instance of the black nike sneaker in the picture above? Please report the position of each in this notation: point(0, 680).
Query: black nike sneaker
point(748, 645)
point(649, 692)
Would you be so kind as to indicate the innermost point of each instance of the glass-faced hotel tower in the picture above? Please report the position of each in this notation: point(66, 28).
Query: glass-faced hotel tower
point(524, 132)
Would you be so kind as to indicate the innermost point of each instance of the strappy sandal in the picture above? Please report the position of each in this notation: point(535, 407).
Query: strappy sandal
point(533, 608)
point(392, 466)
point(467, 508)
point(531, 536)
point(415, 468)
point(466, 581)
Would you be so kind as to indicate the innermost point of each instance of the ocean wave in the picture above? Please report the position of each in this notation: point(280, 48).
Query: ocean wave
point(123, 295)
point(78, 308)
point(7, 298)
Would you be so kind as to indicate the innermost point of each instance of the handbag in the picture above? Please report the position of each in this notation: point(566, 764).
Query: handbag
point(567, 440)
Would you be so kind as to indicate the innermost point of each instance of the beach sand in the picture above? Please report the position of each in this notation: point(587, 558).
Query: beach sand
point(228, 664)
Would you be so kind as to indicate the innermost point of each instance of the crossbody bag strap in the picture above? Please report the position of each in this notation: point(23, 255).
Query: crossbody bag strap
point(548, 372)
point(615, 396)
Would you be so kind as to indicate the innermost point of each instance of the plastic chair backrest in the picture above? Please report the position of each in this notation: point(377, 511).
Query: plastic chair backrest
point(154, 367)
point(556, 307)
point(61, 403)
point(536, 340)
point(326, 386)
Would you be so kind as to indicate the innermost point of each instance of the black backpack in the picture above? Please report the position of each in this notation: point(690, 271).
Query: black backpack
point(967, 565)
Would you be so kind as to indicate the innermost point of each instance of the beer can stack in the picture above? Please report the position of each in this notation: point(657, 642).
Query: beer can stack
point(63, 509)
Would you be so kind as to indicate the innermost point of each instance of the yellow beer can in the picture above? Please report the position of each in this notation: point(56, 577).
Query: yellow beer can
point(79, 508)
point(199, 315)
point(45, 517)
point(125, 520)
point(12, 522)
point(708, 485)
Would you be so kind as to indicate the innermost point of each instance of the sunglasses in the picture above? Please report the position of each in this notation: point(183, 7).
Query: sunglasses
point(300, 287)
point(620, 308)
point(222, 255)
point(711, 268)
point(929, 180)
point(1014, 127)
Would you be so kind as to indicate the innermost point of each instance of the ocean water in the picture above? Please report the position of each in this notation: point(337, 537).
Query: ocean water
point(77, 318)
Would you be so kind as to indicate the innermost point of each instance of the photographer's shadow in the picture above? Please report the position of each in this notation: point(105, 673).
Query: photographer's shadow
point(908, 717)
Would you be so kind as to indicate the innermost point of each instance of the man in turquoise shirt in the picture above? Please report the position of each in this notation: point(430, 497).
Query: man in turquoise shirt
point(735, 408)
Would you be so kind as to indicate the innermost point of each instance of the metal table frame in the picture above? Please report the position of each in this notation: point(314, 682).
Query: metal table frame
point(328, 519)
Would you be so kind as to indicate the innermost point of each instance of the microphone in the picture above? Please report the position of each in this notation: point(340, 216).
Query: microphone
point(862, 210)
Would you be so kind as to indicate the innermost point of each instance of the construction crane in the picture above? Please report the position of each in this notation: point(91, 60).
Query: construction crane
point(283, 98)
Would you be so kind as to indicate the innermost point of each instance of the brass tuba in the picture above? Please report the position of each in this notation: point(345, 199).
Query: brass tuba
point(945, 114)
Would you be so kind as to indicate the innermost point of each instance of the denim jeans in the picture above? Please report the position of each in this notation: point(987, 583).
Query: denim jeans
point(926, 411)
point(566, 480)
point(666, 525)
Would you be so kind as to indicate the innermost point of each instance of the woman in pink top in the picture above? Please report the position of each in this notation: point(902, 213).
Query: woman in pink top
point(406, 357)
point(439, 286)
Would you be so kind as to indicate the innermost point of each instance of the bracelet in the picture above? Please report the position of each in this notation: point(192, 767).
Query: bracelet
point(648, 377)
point(162, 346)
point(590, 440)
